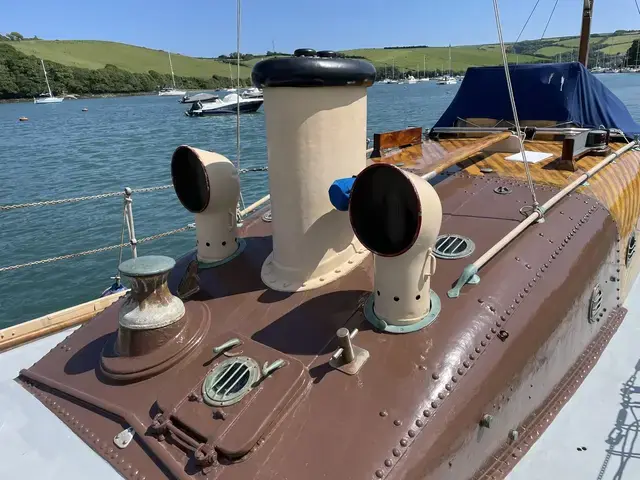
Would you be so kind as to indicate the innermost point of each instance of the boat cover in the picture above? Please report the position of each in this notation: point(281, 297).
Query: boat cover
point(561, 92)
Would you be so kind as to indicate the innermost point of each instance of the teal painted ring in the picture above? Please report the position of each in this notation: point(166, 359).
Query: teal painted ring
point(242, 244)
point(379, 323)
point(146, 266)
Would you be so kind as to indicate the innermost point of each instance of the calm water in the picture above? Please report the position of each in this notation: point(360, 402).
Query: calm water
point(63, 152)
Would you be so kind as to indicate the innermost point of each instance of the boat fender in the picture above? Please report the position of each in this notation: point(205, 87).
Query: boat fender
point(340, 192)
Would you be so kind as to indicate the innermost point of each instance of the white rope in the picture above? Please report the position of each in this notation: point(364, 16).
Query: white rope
point(80, 199)
point(505, 61)
point(549, 21)
point(109, 194)
point(97, 250)
point(238, 22)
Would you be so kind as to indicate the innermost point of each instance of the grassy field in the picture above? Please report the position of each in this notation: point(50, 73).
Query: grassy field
point(96, 54)
point(552, 51)
point(436, 58)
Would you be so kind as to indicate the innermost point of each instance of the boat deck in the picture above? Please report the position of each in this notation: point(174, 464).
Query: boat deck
point(594, 437)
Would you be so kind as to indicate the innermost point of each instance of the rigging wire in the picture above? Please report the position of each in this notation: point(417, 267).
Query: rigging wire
point(505, 61)
point(527, 22)
point(549, 21)
point(238, 21)
point(638, 7)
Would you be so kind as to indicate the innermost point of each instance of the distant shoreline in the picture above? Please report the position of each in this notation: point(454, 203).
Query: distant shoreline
point(83, 97)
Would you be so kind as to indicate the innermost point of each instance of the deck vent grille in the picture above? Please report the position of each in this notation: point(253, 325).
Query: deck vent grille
point(453, 246)
point(631, 249)
point(229, 381)
point(595, 305)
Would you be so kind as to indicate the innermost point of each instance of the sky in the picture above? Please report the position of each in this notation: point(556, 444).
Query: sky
point(208, 28)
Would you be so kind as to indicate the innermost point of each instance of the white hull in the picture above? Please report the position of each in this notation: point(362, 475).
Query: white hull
point(48, 100)
point(228, 105)
point(448, 81)
point(172, 93)
point(601, 417)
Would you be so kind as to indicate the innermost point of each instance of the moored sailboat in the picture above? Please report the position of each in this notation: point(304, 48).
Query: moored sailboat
point(47, 97)
point(172, 91)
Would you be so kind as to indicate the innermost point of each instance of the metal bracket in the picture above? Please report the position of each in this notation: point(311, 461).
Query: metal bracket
point(226, 345)
point(348, 358)
point(123, 439)
point(269, 368)
point(469, 275)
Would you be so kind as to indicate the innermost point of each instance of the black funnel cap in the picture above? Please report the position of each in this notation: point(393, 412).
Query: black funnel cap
point(310, 69)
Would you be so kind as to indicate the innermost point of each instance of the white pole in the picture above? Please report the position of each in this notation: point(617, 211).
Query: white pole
point(128, 212)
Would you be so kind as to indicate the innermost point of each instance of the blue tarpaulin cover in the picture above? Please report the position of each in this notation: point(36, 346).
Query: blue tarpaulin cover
point(561, 92)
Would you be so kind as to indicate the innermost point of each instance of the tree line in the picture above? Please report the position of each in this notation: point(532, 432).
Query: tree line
point(21, 76)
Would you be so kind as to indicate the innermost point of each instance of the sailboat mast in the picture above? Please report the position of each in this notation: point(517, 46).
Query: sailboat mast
point(173, 78)
point(449, 59)
point(587, 13)
point(424, 66)
point(45, 77)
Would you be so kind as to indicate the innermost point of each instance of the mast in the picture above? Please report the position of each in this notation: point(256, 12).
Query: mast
point(587, 13)
point(45, 77)
point(449, 59)
point(173, 78)
point(393, 69)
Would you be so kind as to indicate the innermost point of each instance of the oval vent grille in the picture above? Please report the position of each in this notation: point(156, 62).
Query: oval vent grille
point(631, 249)
point(453, 246)
point(595, 305)
point(229, 381)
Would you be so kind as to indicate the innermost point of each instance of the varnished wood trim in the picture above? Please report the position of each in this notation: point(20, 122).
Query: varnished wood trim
point(54, 322)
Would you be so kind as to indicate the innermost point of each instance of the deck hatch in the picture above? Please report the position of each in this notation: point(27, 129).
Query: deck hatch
point(229, 381)
point(631, 249)
point(453, 246)
point(595, 305)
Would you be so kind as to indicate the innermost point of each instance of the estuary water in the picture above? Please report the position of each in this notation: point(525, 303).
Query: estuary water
point(63, 152)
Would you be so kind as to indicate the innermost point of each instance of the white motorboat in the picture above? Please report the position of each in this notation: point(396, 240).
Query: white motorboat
point(447, 80)
point(228, 105)
point(424, 79)
point(410, 80)
point(252, 92)
point(172, 91)
point(47, 97)
point(199, 97)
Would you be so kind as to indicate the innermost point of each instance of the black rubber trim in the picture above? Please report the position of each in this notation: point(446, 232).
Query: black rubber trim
point(312, 72)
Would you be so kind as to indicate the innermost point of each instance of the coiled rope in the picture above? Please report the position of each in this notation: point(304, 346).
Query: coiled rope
point(97, 250)
point(505, 62)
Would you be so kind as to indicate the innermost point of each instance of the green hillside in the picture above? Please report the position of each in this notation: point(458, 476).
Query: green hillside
point(90, 67)
point(436, 58)
point(527, 51)
point(93, 54)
